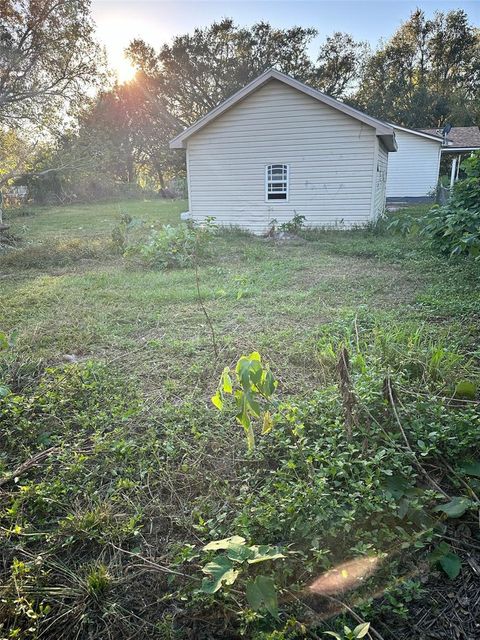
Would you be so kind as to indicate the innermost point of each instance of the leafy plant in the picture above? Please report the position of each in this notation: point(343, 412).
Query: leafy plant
point(454, 229)
point(444, 556)
point(254, 384)
point(226, 568)
point(176, 247)
point(360, 631)
point(296, 224)
point(121, 232)
point(455, 508)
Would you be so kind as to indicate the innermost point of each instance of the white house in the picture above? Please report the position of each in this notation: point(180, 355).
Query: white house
point(413, 170)
point(457, 143)
point(278, 147)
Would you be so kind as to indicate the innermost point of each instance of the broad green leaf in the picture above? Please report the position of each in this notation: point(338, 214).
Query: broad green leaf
point(226, 543)
point(219, 571)
point(403, 507)
point(4, 391)
point(226, 381)
point(455, 508)
point(252, 403)
point(243, 372)
point(256, 373)
point(239, 553)
point(449, 561)
point(451, 564)
point(261, 593)
point(466, 389)
point(471, 469)
point(361, 630)
point(264, 552)
point(270, 383)
point(396, 487)
point(267, 423)
point(217, 401)
point(333, 634)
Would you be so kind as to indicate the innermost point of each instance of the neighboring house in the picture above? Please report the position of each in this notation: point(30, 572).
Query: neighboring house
point(458, 141)
point(413, 170)
point(277, 148)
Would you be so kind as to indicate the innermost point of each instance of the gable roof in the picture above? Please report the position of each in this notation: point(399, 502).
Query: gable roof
point(424, 133)
point(383, 130)
point(460, 138)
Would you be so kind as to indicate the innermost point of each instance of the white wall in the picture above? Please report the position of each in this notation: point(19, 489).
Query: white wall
point(381, 178)
point(331, 158)
point(413, 169)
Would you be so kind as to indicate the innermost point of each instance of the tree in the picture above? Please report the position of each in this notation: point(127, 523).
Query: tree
point(338, 65)
point(428, 72)
point(48, 58)
point(198, 71)
point(48, 62)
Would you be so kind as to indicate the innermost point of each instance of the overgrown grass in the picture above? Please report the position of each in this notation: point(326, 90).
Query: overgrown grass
point(139, 470)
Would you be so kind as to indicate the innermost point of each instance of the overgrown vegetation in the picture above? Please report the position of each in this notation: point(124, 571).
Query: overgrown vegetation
point(133, 507)
point(174, 246)
point(454, 229)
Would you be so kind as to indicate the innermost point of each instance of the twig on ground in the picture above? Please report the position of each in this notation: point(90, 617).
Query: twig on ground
point(35, 460)
point(348, 399)
point(202, 305)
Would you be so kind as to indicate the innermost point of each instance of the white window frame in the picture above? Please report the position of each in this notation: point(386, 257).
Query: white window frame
point(287, 190)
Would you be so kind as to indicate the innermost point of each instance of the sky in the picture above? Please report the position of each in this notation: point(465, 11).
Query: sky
point(158, 21)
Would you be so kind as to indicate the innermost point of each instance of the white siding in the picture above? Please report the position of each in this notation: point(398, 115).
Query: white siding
point(381, 179)
point(413, 169)
point(330, 156)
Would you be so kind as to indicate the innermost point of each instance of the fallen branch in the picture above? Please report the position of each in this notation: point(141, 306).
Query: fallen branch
point(34, 461)
point(202, 306)
point(348, 398)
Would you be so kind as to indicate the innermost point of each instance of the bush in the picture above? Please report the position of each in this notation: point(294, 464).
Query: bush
point(296, 224)
point(454, 229)
point(121, 234)
point(175, 247)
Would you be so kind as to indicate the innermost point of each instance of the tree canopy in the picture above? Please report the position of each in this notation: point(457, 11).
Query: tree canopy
point(48, 57)
point(426, 74)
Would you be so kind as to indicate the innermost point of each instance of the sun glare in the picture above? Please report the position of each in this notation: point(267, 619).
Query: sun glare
point(124, 69)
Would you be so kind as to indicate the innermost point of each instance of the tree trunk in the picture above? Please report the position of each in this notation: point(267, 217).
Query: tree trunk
point(160, 178)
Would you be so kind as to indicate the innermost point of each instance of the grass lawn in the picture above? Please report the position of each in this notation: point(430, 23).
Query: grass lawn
point(75, 298)
point(399, 310)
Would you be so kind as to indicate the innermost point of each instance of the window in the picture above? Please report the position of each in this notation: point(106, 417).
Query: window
point(276, 182)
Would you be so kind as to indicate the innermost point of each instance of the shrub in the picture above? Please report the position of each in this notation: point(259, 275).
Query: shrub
point(121, 233)
point(296, 224)
point(454, 229)
point(175, 247)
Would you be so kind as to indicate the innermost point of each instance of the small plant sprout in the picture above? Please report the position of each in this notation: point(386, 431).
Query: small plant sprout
point(254, 385)
point(360, 631)
point(98, 581)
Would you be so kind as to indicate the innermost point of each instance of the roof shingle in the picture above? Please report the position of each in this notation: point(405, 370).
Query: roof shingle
point(460, 137)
